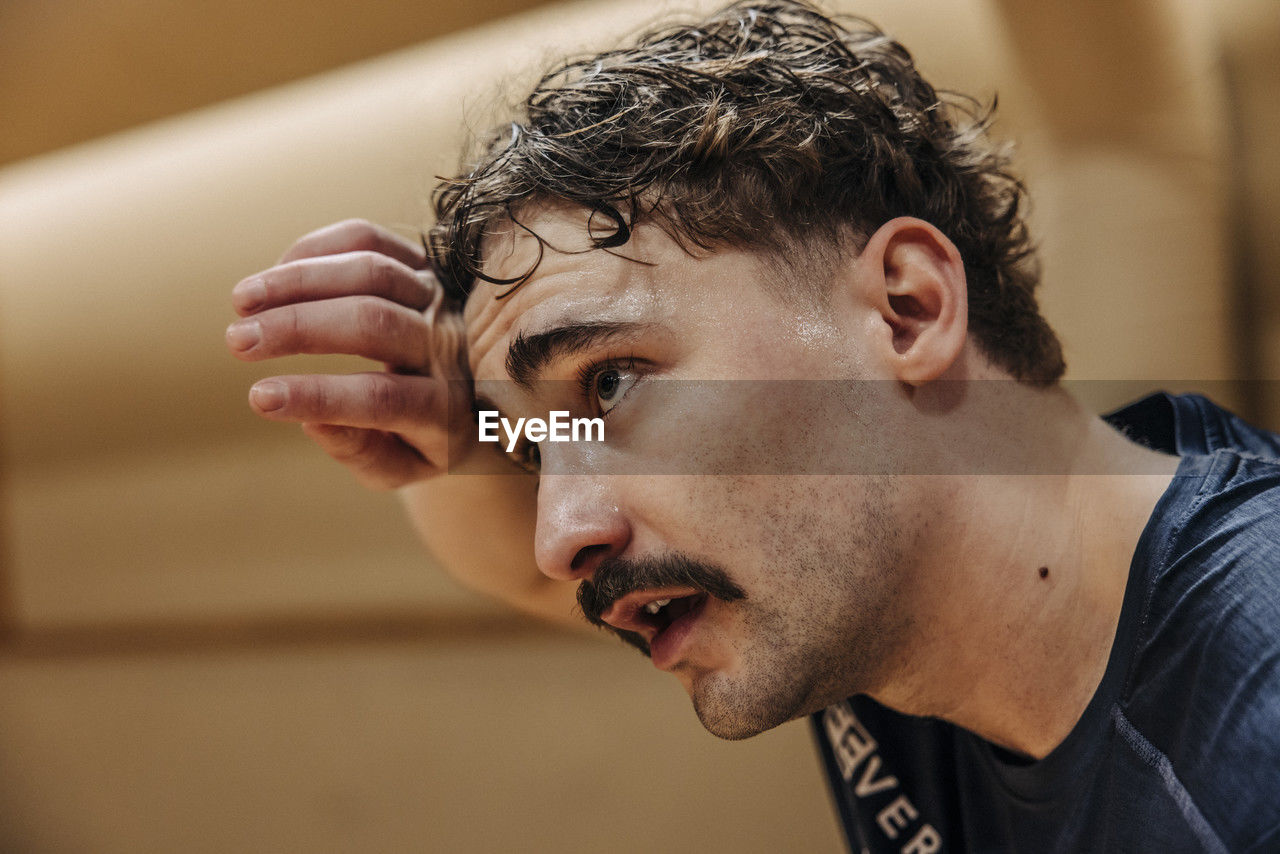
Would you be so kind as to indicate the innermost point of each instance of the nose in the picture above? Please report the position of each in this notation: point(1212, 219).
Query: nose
point(579, 525)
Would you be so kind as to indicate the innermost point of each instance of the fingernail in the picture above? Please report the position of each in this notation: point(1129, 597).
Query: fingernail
point(268, 396)
point(249, 294)
point(244, 335)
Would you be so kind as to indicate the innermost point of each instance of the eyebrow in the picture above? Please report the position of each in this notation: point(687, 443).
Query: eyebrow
point(528, 355)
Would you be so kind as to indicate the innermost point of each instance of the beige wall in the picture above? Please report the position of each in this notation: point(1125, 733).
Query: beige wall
point(217, 643)
point(463, 744)
point(77, 69)
point(1250, 61)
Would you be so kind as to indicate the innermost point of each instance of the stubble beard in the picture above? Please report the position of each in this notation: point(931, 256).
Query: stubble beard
point(835, 638)
point(840, 621)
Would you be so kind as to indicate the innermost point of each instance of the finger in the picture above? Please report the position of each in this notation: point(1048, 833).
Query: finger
point(331, 276)
point(359, 326)
point(392, 402)
point(378, 460)
point(355, 235)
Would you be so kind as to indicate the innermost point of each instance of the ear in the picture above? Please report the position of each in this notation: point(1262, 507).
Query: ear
point(913, 279)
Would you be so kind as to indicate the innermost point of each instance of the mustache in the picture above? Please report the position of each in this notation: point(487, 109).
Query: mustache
point(617, 577)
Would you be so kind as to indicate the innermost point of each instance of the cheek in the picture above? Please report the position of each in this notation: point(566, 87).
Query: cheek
point(749, 525)
point(685, 513)
point(730, 428)
point(802, 533)
point(790, 518)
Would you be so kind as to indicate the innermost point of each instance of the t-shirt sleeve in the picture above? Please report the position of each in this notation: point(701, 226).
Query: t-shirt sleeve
point(1206, 685)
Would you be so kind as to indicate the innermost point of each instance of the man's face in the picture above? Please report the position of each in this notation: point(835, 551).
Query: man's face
point(787, 589)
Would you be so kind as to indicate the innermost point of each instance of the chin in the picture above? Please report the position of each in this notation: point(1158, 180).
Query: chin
point(731, 730)
point(735, 715)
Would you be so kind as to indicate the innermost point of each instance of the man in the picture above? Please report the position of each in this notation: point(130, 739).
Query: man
point(838, 476)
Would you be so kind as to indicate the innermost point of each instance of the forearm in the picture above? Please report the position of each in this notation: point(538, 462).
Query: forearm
point(480, 527)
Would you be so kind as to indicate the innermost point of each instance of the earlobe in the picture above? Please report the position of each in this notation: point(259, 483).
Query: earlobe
point(915, 281)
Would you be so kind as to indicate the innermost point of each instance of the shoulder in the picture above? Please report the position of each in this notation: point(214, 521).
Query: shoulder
point(1204, 688)
point(1216, 573)
point(1223, 537)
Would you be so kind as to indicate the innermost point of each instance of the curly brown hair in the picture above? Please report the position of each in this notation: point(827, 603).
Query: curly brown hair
point(772, 126)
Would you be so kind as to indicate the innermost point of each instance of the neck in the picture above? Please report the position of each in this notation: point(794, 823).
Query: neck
point(1026, 573)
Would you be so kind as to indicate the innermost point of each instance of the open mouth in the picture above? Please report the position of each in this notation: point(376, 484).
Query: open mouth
point(662, 613)
point(662, 619)
point(680, 615)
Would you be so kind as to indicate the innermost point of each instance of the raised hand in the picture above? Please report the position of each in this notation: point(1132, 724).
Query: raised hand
point(356, 288)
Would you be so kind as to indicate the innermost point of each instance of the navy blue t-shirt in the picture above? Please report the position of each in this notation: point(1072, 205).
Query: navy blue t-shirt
point(1179, 749)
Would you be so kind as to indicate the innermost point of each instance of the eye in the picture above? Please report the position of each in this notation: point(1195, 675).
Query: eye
point(610, 385)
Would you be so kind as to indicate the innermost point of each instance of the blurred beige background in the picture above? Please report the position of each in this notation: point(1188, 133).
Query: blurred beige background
point(213, 641)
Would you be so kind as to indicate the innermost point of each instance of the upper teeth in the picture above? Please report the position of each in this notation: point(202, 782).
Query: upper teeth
point(657, 605)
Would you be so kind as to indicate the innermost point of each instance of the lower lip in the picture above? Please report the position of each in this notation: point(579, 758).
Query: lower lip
point(668, 647)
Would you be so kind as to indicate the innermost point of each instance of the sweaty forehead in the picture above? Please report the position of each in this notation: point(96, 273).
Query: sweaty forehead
point(572, 282)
